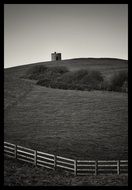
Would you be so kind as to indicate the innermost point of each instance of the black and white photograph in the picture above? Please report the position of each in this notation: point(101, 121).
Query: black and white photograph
point(65, 95)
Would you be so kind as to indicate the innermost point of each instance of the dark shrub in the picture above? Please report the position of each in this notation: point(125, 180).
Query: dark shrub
point(50, 77)
point(105, 85)
point(66, 77)
point(77, 77)
point(35, 71)
point(93, 80)
point(97, 76)
point(44, 82)
point(38, 72)
point(125, 86)
point(80, 80)
point(58, 69)
point(119, 81)
point(60, 85)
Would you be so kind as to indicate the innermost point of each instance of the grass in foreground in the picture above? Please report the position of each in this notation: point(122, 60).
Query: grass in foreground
point(76, 124)
point(17, 173)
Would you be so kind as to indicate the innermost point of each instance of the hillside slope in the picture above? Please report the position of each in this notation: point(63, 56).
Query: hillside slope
point(70, 123)
point(15, 87)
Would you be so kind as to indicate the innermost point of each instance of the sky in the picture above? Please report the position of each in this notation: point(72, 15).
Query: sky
point(33, 31)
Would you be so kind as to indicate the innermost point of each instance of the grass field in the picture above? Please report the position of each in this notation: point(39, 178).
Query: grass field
point(24, 174)
point(76, 124)
point(70, 123)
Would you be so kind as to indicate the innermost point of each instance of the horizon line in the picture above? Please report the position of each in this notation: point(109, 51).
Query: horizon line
point(67, 59)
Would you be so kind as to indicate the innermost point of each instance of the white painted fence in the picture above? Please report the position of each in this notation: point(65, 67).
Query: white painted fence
point(76, 167)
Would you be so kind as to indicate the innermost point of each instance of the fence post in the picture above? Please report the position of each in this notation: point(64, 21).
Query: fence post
point(15, 152)
point(118, 167)
point(35, 157)
point(75, 167)
point(96, 167)
point(55, 162)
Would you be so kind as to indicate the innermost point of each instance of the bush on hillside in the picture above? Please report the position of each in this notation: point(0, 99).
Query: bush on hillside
point(78, 75)
point(93, 79)
point(125, 86)
point(69, 86)
point(48, 78)
point(58, 69)
point(73, 80)
point(119, 82)
point(59, 77)
point(105, 85)
point(40, 72)
point(36, 71)
point(82, 79)
point(66, 77)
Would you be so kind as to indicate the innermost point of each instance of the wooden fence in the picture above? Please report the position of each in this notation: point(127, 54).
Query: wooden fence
point(76, 167)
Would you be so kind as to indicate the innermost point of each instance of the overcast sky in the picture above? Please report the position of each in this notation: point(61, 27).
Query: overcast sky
point(33, 31)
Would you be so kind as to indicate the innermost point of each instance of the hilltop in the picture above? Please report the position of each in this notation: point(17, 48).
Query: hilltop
point(106, 65)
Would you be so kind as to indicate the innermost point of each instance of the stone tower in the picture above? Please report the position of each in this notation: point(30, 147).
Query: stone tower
point(55, 56)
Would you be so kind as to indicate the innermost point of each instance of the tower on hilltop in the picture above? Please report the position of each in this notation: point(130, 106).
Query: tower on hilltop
point(55, 56)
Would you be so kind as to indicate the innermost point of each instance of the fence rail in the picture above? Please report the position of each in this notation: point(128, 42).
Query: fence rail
point(76, 167)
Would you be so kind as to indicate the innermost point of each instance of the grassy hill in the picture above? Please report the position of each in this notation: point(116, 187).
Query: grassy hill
point(106, 65)
point(81, 124)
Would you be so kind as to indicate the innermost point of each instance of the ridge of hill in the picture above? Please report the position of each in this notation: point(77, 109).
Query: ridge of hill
point(77, 63)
